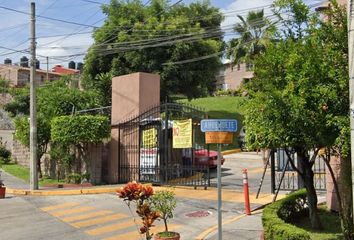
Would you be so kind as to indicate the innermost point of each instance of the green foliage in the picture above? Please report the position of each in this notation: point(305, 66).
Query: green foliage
point(77, 178)
point(255, 33)
point(4, 85)
point(277, 216)
point(20, 103)
point(164, 202)
point(228, 92)
point(5, 154)
point(80, 129)
point(139, 45)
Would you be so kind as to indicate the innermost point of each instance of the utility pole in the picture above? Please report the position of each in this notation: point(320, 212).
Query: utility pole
point(33, 112)
point(47, 58)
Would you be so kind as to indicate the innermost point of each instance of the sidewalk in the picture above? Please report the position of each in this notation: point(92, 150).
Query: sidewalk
point(245, 227)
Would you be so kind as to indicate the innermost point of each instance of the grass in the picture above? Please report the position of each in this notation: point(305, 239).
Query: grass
point(23, 173)
point(331, 225)
point(226, 107)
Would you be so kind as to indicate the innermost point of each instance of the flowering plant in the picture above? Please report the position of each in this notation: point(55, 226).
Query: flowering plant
point(138, 193)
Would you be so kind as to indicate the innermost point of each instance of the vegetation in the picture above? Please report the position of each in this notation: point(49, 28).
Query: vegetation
point(165, 203)
point(71, 134)
point(151, 38)
point(5, 154)
point(255, 32)
point(286, 219)
point(140, 195)
point(277, 218)
point(296, 97)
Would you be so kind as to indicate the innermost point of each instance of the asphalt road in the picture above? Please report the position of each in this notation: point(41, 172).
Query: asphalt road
point(104, 216)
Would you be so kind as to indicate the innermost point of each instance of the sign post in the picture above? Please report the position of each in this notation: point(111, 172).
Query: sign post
point(219, 131)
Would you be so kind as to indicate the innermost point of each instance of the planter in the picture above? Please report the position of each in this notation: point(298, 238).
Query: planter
point(2, 192)
point(171, 236)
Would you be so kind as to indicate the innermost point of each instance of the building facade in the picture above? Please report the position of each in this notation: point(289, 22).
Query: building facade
point(20, 76)
point(232, 76)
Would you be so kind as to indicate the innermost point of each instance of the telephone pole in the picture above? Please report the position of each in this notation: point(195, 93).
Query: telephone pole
point(33, 120)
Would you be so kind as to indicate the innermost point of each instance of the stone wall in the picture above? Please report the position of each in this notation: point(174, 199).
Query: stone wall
point(97, 158)
point(20, 153)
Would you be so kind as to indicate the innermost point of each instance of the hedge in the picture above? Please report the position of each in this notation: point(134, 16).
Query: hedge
point(277, 217)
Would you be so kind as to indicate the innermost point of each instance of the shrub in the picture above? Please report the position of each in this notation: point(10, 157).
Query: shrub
point(5, 154)
point(277, 216)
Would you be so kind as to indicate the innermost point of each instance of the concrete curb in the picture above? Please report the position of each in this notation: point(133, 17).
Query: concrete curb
point(61, 192)
point(228, 152)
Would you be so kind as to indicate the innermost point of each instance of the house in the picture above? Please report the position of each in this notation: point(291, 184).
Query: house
point(19, 75)
point(65, 71)
point(232, 76)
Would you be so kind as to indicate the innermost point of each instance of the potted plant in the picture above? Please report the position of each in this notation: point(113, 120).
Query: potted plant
point(165, 202)
point(2, 188)
point(140, 194)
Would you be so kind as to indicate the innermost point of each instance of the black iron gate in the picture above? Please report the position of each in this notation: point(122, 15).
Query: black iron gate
point(146, 153)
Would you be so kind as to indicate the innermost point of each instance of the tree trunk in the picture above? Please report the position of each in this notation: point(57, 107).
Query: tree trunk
point(307, 176)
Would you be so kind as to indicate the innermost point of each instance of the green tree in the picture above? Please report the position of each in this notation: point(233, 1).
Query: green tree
point(255, 32)
point(53, 100)
point(299, 91)
point(76, 132)
point(151, 38)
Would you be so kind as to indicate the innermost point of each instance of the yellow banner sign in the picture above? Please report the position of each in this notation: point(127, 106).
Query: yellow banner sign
point(182, 133)
point(150, 138)
point(218, 137)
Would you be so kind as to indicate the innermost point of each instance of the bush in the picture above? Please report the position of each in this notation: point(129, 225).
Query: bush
point(277, 216)
point(5, 155)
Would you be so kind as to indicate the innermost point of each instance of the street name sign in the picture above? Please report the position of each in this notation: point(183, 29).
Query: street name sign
point(218, 125)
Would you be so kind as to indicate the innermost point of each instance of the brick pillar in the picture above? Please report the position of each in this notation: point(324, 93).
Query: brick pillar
point(132, 94)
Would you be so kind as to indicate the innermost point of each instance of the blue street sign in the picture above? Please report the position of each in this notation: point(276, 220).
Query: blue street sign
point(218, 125)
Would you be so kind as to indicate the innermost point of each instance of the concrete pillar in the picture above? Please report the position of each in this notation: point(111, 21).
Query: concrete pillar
point(132, 94)
point(331, 197)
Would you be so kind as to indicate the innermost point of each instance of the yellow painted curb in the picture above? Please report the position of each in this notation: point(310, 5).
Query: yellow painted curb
point(61, 192)
point(208, 231)
point(227, 152)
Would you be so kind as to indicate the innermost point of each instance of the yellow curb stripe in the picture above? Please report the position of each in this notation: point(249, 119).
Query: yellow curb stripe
point(227, 152)
point(208, 231)
point(63, 205)
point(98, 220)
point(71, 211)
point(85, 216)
point(134, 235)
point(110, 228)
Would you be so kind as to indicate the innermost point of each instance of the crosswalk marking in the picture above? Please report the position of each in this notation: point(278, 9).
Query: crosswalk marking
point(85, 216)
point(98, 220)
point(71, 211)
point(110, 228)
point(59, 206)
point(134, 235)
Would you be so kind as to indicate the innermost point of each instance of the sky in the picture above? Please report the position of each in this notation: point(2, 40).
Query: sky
point(15, 27)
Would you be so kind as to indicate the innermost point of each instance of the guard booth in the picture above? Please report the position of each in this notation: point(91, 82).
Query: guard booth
point(149, 151)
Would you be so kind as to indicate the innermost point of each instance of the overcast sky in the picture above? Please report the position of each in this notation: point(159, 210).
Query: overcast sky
point(14, 27)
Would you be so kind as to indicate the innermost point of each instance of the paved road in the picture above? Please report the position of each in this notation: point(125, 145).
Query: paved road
point(104, 216)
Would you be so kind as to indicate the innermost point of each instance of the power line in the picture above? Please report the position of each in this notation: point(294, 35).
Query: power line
point(48, 18)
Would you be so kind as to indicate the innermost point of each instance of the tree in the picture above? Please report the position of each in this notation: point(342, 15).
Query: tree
point(297, 95)
point(52, 100)
point(76, 132)
point(152, 38)
point(255, 32)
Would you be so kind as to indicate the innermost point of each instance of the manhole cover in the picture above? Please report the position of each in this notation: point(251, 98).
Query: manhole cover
point(201, 213)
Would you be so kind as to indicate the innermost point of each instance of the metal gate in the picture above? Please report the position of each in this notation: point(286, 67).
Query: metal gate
point(145, 150)
point(291, 180)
